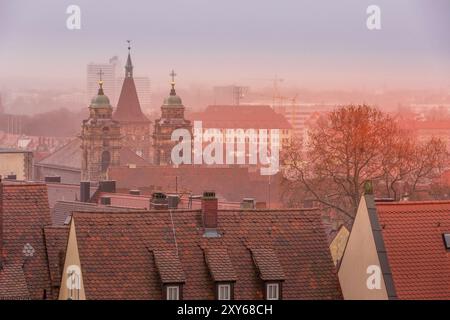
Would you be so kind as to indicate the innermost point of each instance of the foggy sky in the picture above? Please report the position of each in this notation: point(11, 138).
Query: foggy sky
point(314, 43)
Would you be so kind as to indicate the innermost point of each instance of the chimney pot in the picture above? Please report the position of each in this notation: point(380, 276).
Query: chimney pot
point(159, 201)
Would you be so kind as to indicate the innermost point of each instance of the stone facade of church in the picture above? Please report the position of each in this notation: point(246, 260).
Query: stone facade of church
point(100, 140)
point(135, 126)
point(172, 118)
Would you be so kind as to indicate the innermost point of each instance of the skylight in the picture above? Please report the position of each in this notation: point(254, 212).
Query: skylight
point(447, 240)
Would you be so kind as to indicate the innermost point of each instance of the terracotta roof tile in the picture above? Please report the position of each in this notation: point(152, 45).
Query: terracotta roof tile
point(128, 107)
point(12, 283)
point(117, 264)
point(419, 262)
point(56, 243)
point(268, 265)
point(169, 266)
point(219, 264)
point(241, 117)
point(63, 209)
point(25, 213)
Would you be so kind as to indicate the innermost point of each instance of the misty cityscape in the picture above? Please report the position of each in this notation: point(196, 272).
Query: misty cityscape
point(226, 150)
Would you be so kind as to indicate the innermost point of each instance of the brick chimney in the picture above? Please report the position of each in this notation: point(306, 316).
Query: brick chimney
point(85, 191)
point(209, 210)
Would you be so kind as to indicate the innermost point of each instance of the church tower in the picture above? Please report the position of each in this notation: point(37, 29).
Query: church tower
point(135, 126)
point(172, 117)
point(100, 139)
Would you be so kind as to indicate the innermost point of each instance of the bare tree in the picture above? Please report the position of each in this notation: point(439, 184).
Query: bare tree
point(351, 145)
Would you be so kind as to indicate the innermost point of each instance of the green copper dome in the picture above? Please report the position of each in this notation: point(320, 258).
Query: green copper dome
point(173, 101)
point(100, 100)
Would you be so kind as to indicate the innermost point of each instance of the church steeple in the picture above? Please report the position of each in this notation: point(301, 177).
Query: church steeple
point(129, 65)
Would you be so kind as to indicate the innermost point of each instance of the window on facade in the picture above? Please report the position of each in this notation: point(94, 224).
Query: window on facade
point(224, 292)
point(106, 160)
point(173, 293)
point(272, 291)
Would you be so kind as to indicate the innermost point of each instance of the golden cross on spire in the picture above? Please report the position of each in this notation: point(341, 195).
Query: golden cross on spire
point(173, 75)
point(129, 45)
point(100, 74)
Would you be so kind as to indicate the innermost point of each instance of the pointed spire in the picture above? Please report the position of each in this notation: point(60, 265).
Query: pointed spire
point(129, 65)
point(173, 75)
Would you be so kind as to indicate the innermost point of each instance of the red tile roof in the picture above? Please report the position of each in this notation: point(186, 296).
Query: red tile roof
point(169, 266)
point(25, 213)
point(240, 117)
point(117, 262)
point(128, 108)
point(12, 283)
point(56, 244)
point(268, 265)
point(419, 262)
point(219, 264)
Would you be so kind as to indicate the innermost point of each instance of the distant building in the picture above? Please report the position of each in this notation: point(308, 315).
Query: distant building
point(298, 116)
point(135, 127)
point(230, 183)
point(16, 164)
point(100, 139)
point(229, 95)
point(109, 79)
point(172, 118)
point(245, 117)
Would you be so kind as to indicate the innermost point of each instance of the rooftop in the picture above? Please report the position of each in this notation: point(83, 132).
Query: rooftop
point(413, 235)
point(164, 246)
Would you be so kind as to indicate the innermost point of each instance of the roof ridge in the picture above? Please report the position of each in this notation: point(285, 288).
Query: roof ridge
point(412, 202)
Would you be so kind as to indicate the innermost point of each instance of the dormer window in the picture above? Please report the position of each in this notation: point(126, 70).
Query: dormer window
point(224, 291)
point(173, 292)
point(273, 291)
point(270, 272)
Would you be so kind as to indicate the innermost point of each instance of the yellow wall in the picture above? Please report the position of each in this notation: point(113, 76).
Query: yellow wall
point(15, 163)
point(72, 258)
point(359, 254)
